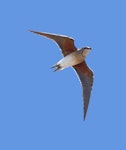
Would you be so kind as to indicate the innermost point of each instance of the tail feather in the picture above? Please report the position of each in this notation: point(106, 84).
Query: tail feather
point(57, 67)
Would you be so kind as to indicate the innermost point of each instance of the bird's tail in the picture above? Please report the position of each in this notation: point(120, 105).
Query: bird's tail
point(57, 67)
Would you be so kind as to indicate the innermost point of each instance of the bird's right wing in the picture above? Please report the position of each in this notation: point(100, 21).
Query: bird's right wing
point(86, 79)
point(65, 43)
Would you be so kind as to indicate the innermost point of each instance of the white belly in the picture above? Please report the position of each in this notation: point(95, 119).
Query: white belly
point(71, 60)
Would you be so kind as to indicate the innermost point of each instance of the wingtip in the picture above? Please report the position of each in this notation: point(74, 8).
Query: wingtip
point(85, 113)
point(84, 117)
point(31, 31)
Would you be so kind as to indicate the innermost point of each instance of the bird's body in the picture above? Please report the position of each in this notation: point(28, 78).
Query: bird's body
point(71, 60)
point(76, 59)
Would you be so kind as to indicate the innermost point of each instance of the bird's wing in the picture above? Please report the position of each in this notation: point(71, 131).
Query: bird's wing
point(86, 79)
point(65, 43)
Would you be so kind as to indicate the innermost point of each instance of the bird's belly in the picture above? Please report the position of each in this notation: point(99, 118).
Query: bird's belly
point(70, 60)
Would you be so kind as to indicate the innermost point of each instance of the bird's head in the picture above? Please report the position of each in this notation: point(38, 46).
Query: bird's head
point(85, 50)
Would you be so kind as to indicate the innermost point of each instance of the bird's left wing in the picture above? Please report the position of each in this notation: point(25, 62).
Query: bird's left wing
point(86, 79)
point(64, 42)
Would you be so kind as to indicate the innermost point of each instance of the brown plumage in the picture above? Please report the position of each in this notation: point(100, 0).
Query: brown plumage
point(85, 75)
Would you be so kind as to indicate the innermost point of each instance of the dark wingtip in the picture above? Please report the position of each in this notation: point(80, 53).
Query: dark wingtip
point(85, 111)
point(32, 31)
point(84, 117)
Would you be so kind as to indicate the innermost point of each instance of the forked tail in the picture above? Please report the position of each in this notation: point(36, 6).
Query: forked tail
point(57, 67)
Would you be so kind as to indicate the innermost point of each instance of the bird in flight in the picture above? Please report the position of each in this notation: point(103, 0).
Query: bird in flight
point(75, 58)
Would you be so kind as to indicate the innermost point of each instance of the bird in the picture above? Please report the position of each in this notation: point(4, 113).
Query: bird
point(75, 58)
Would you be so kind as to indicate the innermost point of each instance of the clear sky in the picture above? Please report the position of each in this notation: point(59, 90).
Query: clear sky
point(43, 110)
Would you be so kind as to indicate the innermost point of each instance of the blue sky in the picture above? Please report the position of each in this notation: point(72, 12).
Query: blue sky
point(40, 109)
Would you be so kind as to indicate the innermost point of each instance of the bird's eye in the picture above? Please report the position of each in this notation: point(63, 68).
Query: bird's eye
point(87, 47)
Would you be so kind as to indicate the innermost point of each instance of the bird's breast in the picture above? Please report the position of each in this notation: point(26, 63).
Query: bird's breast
point(71, 60)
